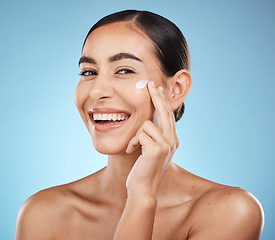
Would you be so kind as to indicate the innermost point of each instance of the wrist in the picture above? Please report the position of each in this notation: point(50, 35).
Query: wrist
point(142, 200)
point(144, 192)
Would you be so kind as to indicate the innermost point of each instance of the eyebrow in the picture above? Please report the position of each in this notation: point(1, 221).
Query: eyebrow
point(86, 60)
point(123, 55)
point(116, 57)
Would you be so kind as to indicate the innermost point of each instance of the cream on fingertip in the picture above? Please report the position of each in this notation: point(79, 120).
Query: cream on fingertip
point(141, 84)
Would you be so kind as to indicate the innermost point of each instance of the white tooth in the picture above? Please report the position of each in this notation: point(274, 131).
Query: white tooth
point(118, 117)
point(114, 117)
point(95, 116)
point(104, 116)
point(99, 116)
point(109, 117)
point(123, 118)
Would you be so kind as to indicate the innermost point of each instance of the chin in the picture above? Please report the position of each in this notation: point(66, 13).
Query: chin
point(109, 151)
point(113, 147)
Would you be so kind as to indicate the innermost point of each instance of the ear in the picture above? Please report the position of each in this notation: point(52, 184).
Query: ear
point(180, 86)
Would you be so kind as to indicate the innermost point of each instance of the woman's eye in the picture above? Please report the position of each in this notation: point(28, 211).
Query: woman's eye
point(88, 73)
point(125, 71)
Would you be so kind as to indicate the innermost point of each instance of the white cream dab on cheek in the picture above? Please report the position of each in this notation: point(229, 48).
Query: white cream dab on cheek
point(141, 84)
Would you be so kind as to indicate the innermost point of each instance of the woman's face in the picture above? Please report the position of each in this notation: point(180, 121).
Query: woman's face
point(114, 58)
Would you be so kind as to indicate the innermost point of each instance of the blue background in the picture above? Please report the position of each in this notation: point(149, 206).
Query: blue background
point(227, 133)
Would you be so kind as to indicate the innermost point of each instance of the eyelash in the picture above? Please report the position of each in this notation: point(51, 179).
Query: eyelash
point(91, 73)
point(128, 71)
point(87, 73)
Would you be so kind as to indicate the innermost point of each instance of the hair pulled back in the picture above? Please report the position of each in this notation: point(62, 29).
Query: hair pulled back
point(171, 48)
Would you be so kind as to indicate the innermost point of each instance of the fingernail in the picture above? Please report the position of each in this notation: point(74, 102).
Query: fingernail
point(127, 149)
point(152, 84)
point(161, 90)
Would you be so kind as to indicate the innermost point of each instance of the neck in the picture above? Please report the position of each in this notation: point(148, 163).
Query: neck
point(116, 173)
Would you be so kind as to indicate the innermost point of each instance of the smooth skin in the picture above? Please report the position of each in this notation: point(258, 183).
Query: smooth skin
point(141, 194)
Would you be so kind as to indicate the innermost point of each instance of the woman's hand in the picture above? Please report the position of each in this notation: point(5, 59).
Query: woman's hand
point(158, 144)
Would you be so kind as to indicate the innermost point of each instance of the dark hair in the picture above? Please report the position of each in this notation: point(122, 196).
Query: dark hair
point(171, 47)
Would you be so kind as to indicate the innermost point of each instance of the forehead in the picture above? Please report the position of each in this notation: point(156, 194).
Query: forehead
point(118, 37)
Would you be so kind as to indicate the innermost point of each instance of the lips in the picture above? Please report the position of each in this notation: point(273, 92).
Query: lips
point(105, 119)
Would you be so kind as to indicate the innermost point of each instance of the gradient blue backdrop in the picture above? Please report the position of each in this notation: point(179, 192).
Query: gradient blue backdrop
point(227, 133)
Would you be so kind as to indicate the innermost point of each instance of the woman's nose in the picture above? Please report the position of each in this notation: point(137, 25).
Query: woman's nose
point(101, 89)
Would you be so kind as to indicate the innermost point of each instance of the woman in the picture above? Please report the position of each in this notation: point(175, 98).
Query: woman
point(134, 79)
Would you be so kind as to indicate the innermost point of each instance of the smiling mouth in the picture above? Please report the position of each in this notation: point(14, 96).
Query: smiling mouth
point(108, 118)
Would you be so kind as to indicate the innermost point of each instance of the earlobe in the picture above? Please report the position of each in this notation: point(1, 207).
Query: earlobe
point(181, 85)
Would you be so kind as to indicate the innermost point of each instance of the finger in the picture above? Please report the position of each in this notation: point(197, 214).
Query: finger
point(151, 129)
point(154, 151)
point(166, 122)
point(153, 132)
point(140, 138)
point(172, 130)
point(162, 114)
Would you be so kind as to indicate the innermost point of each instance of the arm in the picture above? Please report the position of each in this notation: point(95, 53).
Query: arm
point(158, 145)
point(137, 220)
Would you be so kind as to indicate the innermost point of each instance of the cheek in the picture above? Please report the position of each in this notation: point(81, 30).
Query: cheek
point(80, 95)
point(140, 101)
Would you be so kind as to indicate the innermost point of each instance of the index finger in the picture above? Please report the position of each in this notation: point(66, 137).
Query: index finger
point(166, 122)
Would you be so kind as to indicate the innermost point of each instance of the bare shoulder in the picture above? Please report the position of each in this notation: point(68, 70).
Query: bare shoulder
point(227, 213)
point(52, 212)
point(39, 216)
